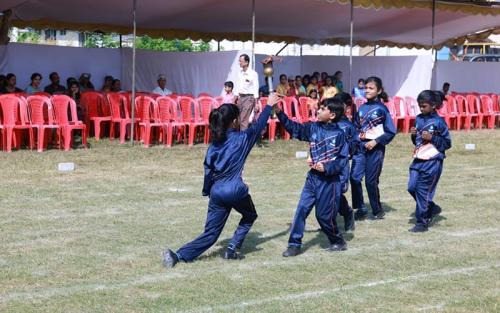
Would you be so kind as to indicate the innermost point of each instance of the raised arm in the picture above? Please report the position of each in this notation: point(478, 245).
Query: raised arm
point(255, 130)
point(298, 131)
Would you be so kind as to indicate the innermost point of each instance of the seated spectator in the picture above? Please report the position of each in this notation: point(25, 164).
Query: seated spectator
point(108, 82)
point(85, 83)
point(446, 88)
point(264, 90)
point(306, 80)
point(338, 81)
point(329, 90)
point(162, 89)
point(74, 93)
point(297, 90)
point(10, 86)
point(283, 87)
point(313, 85)
point(54, 87)
point(36, 80)
point(313, 100)
point(116, 86)
point(70, 80)
point(322, 82)
point(359, 91)
point(228, 96)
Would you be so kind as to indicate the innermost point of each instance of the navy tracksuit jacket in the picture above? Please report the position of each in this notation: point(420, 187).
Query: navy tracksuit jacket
point(354, 143)
point(322, 189)
point(373, 121)
point(223, 183)
point(427, 163)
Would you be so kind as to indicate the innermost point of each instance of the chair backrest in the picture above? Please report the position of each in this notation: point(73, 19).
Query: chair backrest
point(40, 110)
point(473, 104)
point(95, 103)
point(462, 105)
point(390, 106)
point(486, 104)
point(291, 108)
point(451, 105)
point(14, 110)
point(496, 102)
point(118, 105)
point(190, 109)
point(42, 93)
point(204, 94)
point(399, 106)
point(167, 108)
point(207, 104)
point(61, 104)
point(358, 102)
point(147, 109)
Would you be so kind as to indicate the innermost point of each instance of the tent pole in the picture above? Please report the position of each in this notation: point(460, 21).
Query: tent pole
point(132, 100)
point(253, 35)
point(350, 45)
point(433, 50)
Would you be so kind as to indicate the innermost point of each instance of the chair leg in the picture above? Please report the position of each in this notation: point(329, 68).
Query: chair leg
point(97, 130)
point(8, 139)
point(40, 134)
point(67, 139)
point(123, 132)
point(84, 136)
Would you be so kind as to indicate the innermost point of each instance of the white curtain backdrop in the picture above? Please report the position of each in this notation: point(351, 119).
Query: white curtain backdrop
point(195, 72)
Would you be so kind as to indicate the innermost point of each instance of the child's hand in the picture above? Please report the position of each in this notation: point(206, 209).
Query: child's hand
point(258, 107)
point(273, 99)
point(319, 167)
point(309, 162)
point(426, 136)
point(413, 130)
point(370, 144)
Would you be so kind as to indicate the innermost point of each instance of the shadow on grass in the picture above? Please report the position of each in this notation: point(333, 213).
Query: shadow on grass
point(251, 244)
point(434, 222)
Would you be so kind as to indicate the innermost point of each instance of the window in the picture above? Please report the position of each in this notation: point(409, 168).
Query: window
point(62, 32)
point(50, 34)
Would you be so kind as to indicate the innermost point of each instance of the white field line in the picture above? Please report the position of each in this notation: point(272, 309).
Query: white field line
point(323, 292)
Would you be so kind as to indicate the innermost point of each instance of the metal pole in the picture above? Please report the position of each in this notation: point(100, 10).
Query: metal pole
point(301, 65)
point(132, 100)
point(350, 44)
point(253, 35)
point(433, 51)
point(121, 41)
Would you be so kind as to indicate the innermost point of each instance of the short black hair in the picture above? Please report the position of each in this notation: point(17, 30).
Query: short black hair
point(245, 57)
point(52, 75)
point(334, 105)
point(434, 98)
point(361, 80)
point(34, 75)
point(282, 75)
point(229, 84)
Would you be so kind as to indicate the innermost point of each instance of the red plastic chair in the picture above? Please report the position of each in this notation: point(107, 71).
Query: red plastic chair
point(401, 120)
point(452, 119)
point(272, 122)
point(150, 118)
point(475, 114)
point(392, 110)
point(487, 110)
point(412, 110)
point(42, 93)
point(496, 107)
point(61, 104)
point(119, 115)
point(291, 109)
point(168, 116)
point(463, 111)
point(204, 94)
point(42, 119)
point(97, 111)
point(207, 104)
point(15, 119)
point(219, 100)
point(191, 116)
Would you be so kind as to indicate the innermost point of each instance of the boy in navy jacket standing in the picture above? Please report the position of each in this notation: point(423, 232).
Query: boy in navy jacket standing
point(322, 189)
point(431, 139)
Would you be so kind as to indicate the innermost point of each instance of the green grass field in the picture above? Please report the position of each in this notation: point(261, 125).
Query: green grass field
point(91, 240)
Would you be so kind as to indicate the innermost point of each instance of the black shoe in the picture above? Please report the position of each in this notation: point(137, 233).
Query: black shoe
point(419, 228)
point(349, 222)
point(232, 255)
point(379, 216)
point(292, 251)
point(337, 247)
point(360, 214)
point(436, 210)
point(170, 258)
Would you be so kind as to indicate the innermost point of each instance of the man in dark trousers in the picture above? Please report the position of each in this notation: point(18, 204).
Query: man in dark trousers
point(247, 91)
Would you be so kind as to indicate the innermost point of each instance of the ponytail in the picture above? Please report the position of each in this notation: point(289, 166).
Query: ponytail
point(220, 119)
point(378, 82)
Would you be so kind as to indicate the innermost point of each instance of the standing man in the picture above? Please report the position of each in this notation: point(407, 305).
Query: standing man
point(247, 91)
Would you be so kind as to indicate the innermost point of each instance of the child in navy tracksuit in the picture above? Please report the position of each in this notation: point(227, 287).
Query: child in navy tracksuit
point(329, 154)
point(223, 182)
point(353, 141)
point(431, 139)
point(376, 130)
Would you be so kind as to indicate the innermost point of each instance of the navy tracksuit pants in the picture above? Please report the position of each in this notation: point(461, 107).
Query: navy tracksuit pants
point(345, 210)
point(218, 212)
point(424, 176)
point(367, 163)
point(322, 193)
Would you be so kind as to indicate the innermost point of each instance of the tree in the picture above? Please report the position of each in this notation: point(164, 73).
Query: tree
point(31, 36)
point(100, 40)
point(160, 44)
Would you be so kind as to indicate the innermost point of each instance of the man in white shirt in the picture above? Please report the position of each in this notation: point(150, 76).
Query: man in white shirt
point(162, 86)
point(247, 91)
